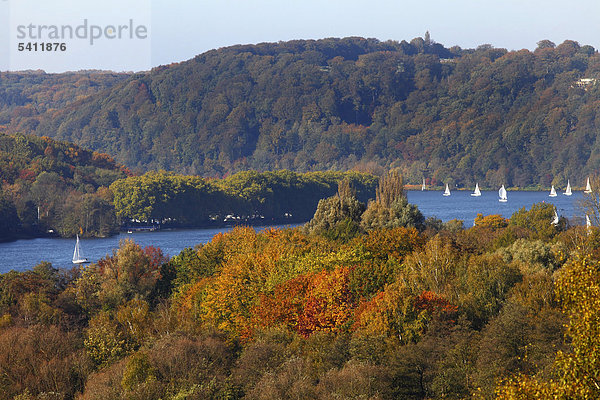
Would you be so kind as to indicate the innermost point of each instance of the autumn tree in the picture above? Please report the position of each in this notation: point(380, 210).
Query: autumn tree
point(576, 371)
point(34, 360)
point(493, 221)
point(390, 208)
point(132, 272)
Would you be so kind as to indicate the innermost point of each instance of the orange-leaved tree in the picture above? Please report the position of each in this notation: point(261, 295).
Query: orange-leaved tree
point(396, 312)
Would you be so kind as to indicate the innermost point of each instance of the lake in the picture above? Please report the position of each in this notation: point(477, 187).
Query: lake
point(24, 254)
point(461, 205)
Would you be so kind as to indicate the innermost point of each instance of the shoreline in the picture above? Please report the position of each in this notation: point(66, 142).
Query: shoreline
point(124, 230)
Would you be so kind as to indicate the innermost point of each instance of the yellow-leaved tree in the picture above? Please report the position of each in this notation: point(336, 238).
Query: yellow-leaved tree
point(576, 373)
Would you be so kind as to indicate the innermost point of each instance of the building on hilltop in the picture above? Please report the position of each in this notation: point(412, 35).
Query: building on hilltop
point(583, 83)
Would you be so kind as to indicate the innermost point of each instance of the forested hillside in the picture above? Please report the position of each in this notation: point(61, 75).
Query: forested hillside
point(31, 93)
point(488, 115)
point(46, 185)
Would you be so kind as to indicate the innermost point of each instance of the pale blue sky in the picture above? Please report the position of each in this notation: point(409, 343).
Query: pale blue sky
point(182, 29)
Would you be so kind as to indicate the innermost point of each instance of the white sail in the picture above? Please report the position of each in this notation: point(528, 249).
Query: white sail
point(502, 194)
point(555, 219)
point(447, 191)
point(77, 256)
point(476, 192)
point(76, 251)
point(552, 192)
point(423, 186)
point(588, 187)
point(588, 223)
point(568, 189)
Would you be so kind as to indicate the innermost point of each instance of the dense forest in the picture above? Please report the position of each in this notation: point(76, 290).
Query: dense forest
point(51, 187)
point(30, 93)
point(366, 301)
point(246, 197)
point(48, 186)
point(520, 118)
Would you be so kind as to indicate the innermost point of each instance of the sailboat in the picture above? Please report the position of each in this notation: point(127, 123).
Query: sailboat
point(568, 189)
point(555, 219)
point(77, 256)
point(552, 192)
point(447, 191)
point(588, 187)
point(502, 194)
point(423, 186)
point(588, 223)
point(476, 192)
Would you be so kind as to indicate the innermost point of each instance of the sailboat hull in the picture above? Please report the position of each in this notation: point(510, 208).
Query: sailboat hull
point(78, 262)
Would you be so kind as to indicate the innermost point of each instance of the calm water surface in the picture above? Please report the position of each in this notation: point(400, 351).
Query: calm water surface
point(461, 205)
point(24, 254)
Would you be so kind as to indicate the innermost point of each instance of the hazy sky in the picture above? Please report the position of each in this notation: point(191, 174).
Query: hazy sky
point(179, 30)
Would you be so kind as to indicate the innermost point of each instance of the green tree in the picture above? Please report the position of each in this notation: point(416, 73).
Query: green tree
point(538, 220)
point(391, 209)
point(9, 220)
point(105, 343)
point(338, 216)
point(138, 371)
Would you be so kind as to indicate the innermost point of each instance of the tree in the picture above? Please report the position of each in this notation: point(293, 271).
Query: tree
point(34, 359)
point(576, 372)
point(9, 220)
point(132, 272)
point(47, 192)
point(337, 217)
point(399, 214)
point(545, 44)
point(391, 208)
point(538, 220)
point(138, 371)
point(494, 221)
point(427, 39)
